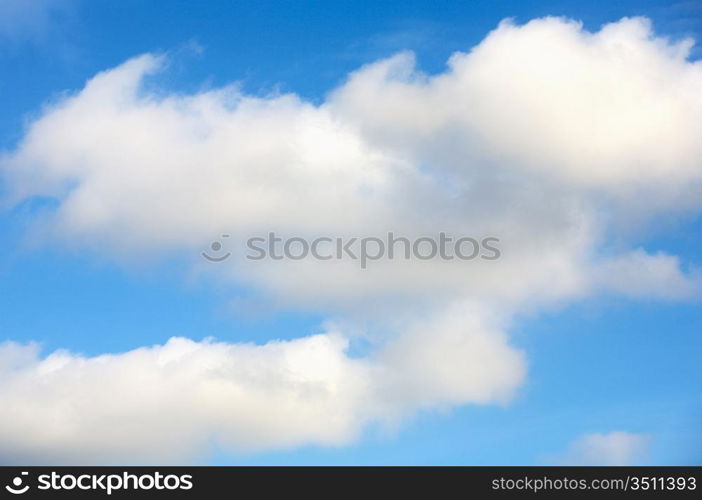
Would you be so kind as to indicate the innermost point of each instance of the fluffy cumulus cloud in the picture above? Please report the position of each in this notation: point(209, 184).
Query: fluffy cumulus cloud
point(179, 396)
point(613, 448)
point(170, 402)
point(544, 135)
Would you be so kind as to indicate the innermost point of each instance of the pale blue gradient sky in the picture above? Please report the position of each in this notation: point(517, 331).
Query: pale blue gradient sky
point(598, 366)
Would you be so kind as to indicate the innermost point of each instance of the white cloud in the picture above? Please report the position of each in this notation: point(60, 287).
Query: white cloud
point(617, 110)
point(544, 135)
point(638, 274)
point(168, 403)
point(613, 448)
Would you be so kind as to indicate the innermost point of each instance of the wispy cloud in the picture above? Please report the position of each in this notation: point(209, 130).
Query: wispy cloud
point(613, 448)
point(29, 19)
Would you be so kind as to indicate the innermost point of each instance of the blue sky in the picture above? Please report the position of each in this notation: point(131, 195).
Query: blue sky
point(598, 364)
